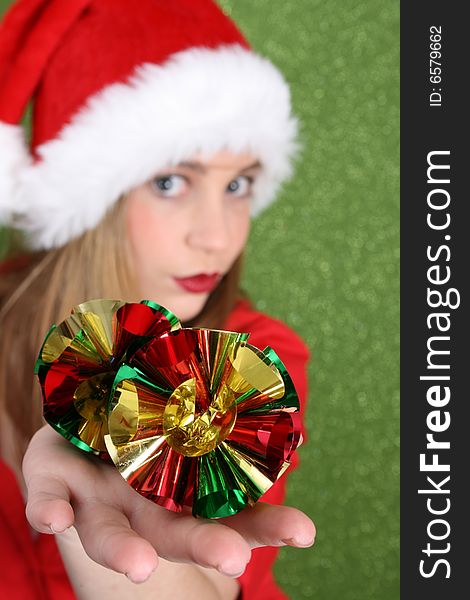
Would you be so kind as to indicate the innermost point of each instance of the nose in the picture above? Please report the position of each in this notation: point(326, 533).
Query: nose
point(209, 229)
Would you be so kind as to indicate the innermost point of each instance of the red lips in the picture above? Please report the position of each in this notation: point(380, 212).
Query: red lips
point(198, 284)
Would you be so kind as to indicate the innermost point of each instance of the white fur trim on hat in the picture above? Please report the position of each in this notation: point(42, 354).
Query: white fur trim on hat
point(14, 158)
point(199, 100)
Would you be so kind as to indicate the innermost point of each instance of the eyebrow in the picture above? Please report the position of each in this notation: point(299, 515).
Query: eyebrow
point(197, 166)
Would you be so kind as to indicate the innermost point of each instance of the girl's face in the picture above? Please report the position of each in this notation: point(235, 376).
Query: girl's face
point(188, 225)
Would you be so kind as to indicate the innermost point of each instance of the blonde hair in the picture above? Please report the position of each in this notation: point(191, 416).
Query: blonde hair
point(48, 285)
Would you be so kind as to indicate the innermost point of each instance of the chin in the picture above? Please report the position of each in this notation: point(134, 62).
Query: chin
point(189, 310)
point(183, 307)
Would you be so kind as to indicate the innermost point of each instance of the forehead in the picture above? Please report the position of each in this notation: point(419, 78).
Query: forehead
point(221, 160)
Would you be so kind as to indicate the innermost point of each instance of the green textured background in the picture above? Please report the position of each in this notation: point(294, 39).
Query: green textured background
point(325, 260)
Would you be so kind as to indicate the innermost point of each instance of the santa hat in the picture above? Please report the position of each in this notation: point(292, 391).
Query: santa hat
point(121, 89)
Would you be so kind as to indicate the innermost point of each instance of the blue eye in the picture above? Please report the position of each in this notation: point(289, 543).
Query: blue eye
point(168, 185)
point(241, 186)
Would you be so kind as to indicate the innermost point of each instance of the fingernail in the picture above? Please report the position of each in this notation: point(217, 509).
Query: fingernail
point(230, 571)
point(56, 530)
point(136, 579)
point(299, 542)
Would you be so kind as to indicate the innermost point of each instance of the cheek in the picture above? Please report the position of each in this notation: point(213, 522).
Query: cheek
point(147, 235)
point(241, 230)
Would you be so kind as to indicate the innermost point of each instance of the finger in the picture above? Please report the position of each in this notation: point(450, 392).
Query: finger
point(271, 525)
point(108, 539)
point(48, 508)
point(180, 537)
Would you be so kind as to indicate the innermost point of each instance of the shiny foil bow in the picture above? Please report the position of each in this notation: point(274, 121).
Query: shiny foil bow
point(189, 416)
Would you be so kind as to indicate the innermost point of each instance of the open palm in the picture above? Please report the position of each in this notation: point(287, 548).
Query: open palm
point(125, 532)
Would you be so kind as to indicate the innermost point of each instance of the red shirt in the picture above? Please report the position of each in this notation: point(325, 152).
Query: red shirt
point(32, 569)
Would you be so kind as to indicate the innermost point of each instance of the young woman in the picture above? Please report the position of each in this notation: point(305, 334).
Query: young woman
point(157, 133)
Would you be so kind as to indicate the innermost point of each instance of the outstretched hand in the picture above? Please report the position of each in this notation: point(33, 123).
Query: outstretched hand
point(125, 532)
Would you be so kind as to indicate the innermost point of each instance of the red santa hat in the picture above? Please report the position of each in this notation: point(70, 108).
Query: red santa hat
point(121, 89)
